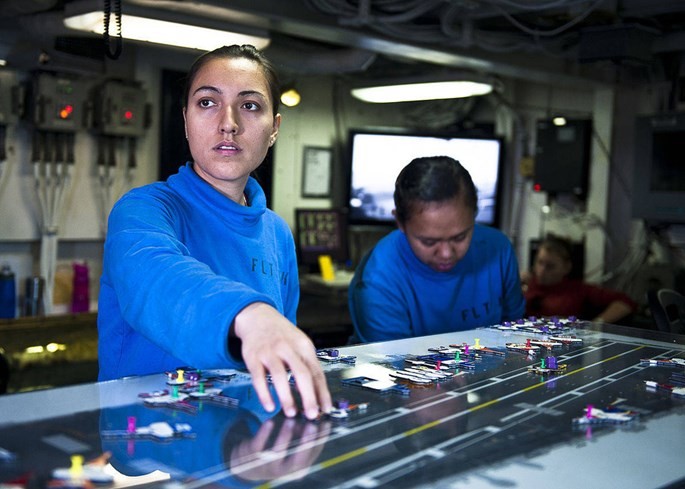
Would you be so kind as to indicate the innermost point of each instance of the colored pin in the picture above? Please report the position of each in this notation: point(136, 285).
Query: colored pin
point(76, 469)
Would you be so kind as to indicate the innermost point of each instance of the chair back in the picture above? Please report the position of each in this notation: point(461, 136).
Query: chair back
point(668, 310)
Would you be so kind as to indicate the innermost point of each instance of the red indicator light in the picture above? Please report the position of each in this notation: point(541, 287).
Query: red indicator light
point(128, 115)
point(66, 111)
point(537, 187)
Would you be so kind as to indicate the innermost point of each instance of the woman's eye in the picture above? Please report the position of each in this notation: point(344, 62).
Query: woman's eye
point(251, 106)
point(206, 103)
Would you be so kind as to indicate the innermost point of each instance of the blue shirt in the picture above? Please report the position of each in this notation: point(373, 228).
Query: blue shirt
point(181, 261)
point(395, 295)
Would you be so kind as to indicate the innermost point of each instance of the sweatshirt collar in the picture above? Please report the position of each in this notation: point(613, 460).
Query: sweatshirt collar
point(195, 187)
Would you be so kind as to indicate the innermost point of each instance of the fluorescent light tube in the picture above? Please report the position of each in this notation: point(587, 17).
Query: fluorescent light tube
point(410, 92)
point(164, 32)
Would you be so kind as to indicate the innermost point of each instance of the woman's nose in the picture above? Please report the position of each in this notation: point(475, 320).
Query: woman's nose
point(229, 121)
point(445, 250)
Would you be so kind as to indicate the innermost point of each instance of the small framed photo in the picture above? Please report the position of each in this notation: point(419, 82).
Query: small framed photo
point(316, 171)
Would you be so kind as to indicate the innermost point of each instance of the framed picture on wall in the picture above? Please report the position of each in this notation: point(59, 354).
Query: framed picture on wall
point(316, 171)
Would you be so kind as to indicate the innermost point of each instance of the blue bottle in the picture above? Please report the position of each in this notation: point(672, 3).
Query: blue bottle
point(8, 293)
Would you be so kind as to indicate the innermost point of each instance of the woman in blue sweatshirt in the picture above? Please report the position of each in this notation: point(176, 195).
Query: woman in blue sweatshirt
point(440, 271)
point(197, 270)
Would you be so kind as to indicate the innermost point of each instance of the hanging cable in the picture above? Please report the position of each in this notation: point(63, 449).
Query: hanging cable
point(3, 150)
point(551, 32)
point(132, 163)
point(105, 35)
point(52, 170)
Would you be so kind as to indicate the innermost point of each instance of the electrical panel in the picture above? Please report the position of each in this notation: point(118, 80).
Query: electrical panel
point(120, 109)
point(58, 102)
point(562, 157)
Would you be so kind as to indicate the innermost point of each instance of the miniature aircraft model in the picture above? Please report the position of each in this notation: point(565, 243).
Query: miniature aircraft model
point(528, 348)
point(159, 431)
point(663, 362)
point(548, 366)
point(611, 415)
point(675, 391)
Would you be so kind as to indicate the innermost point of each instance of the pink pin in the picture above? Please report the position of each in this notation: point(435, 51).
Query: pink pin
point(131, 428)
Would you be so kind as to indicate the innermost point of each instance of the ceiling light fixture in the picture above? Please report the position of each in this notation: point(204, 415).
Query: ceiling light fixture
point(458, 86)
point(161, 27)
point(291, 97)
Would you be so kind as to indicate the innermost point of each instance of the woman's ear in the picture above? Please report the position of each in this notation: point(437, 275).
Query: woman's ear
point(400, 226)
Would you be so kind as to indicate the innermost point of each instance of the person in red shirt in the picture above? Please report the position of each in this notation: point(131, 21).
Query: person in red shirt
point(550, 292)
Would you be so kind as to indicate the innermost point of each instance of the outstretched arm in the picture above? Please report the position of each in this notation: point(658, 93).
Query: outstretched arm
point(615, 311)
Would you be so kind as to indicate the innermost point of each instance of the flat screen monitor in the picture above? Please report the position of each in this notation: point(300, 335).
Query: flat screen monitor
point(659, 173)
point(376, 158)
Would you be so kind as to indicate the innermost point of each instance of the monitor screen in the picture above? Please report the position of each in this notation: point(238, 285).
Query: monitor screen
point(376, 159)
point(659, 174)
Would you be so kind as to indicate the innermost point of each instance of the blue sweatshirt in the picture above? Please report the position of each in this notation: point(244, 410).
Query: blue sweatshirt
point(181, 260)
point(394, 295)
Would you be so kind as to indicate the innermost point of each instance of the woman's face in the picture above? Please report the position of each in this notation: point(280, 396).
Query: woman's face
point(439, 233)
point(229, 122)
point(550, 268)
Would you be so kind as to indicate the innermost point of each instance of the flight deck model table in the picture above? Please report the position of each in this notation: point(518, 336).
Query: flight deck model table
point(590, 406)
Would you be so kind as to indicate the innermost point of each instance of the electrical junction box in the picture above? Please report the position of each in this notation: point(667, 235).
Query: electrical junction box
point(562, 157)
point(120, 109)
point(58, 102)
